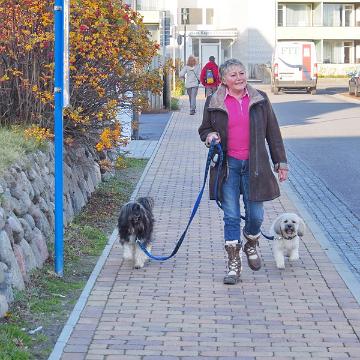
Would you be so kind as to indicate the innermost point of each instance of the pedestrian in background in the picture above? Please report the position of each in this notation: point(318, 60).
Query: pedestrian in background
point(191, 73)
point(209, 76)
point(241, 118)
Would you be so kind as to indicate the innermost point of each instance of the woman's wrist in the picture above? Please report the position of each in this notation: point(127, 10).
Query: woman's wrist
point(281, 166)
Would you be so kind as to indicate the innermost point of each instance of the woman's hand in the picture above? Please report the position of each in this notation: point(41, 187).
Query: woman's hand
point(212, 136)
point(283, 174)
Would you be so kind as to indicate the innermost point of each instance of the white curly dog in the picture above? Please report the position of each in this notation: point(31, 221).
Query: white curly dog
point(286, 230)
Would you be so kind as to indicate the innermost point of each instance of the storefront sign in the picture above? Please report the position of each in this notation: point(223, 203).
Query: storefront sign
point(214, 33)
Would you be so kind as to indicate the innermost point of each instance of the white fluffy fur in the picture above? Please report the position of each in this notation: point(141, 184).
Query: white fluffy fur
point(133, 252)
point(286, 230)
point(135, 223)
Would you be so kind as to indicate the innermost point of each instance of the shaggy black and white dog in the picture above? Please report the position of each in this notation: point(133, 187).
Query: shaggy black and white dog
point(136, 221)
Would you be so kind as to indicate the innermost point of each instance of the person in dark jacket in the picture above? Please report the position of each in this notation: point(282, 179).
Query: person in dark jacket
point(241, 118)
point(209, 76)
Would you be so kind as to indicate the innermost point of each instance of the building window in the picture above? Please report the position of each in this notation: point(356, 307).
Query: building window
point(357, 51)
point(280, 14)
point(348, 46)
point(194, 16)
point(339, 15)
point(348, 15)
point(298, 14)
point(338, 52)
point(148, 5)
point(209, 16)
point(357, 15)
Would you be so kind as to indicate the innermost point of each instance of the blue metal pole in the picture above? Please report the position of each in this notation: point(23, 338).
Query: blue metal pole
point(58, 115)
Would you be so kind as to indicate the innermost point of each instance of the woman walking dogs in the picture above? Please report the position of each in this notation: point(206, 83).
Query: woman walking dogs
point(241, 118)
point(191, 73)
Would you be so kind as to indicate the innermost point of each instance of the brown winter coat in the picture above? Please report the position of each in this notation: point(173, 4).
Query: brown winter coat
point(263, 128)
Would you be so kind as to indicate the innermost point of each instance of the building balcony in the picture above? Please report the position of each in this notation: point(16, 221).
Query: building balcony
point(317, 32)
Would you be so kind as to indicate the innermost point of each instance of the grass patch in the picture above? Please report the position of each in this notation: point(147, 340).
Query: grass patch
point(48, 300)
point(14, 146)
point(14, 343)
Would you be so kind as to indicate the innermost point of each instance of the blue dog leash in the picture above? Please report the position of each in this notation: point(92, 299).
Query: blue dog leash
point(210, 156)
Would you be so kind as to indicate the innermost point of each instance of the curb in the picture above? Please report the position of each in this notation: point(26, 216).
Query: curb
point(80, 304)
point(343, 270)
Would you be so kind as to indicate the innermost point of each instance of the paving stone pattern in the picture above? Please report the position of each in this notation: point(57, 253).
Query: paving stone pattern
point(337, 221)
point(180, 309)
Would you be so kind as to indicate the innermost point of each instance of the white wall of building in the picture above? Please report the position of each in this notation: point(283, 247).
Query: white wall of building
point(252, 20)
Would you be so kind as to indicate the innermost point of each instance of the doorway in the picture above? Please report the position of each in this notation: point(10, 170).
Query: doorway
point(208, 50)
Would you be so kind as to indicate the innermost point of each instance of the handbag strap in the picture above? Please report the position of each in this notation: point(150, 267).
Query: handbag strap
point(195, 75)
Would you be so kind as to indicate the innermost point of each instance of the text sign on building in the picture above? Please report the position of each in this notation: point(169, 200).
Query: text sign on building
point(214, 33)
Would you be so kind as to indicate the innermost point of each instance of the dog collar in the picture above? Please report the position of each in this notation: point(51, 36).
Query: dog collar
point(285, 238)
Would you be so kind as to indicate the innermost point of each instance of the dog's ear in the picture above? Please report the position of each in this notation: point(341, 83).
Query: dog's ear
point(147, 202)
point(277, 225)
point(301, 229)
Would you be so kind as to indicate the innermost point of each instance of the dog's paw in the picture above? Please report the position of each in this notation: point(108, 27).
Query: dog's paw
point(128, 253)
point(138, 266)
point(280, 265)
point(294, 257)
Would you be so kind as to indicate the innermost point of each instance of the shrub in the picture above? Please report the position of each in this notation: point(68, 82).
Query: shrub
point(110, 55)
point(179, 87)
point(174, 103)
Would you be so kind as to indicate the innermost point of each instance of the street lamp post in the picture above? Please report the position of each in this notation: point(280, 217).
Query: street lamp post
point(184, 17)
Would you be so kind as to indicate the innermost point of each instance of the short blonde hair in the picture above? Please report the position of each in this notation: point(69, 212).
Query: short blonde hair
point(191, 61)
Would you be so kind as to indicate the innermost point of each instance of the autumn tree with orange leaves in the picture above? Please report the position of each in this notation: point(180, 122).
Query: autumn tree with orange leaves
point(110, 56)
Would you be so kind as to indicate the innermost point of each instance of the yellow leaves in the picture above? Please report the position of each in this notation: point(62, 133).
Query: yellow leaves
point(109, 137)
point(120, 163)
point(105, 37)
point(15, 72)
point(77, 115)
point(40, 134)
point(4, 78)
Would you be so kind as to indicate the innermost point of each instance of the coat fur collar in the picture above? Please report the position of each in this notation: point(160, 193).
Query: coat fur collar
point(217, 100)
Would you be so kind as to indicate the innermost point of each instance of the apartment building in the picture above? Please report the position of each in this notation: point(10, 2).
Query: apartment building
point(230, 28)
point(249, 29)
point(334, 27)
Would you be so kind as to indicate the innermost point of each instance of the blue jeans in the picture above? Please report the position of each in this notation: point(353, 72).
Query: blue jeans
point(237, 183)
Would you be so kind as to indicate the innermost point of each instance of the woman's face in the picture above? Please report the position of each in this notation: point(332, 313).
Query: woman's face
point(191, 62)
point(235, 78)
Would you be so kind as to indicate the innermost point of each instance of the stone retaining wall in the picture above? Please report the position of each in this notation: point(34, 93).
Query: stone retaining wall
point(27, 211)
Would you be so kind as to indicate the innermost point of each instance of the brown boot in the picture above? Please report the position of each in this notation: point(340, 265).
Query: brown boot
point(233, 249)
point(250, 251)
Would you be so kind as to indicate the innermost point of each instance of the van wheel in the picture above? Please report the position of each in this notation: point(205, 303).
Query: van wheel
point(275, 90)
point(313, 91)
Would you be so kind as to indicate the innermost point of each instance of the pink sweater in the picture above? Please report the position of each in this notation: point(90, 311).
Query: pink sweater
point(238, 126)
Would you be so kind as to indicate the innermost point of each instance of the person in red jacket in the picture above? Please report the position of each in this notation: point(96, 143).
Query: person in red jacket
point(209, 76)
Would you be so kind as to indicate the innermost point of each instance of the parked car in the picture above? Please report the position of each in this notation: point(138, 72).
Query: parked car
point(294, 66)
point(354, 83)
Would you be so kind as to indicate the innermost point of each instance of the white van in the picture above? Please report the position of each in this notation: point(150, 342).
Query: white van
point(294, 66)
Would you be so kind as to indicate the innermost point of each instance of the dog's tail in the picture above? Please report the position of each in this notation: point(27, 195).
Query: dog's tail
point(147, 202)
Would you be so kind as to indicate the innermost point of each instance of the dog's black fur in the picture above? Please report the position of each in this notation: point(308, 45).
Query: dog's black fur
point(136, 221)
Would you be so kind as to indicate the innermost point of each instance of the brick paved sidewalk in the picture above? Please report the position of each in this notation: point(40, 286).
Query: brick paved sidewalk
point(180, 309)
